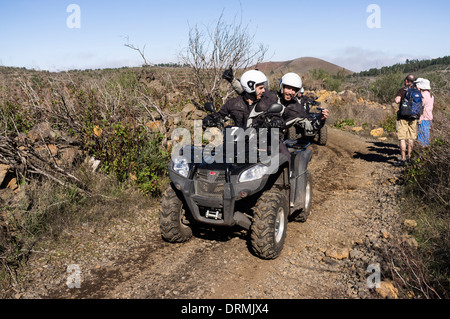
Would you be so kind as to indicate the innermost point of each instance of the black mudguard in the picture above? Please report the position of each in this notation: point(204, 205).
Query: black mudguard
point(299, 162)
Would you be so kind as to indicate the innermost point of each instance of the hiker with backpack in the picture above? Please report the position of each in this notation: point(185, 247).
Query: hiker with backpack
point(425, 120)
point(410, 103)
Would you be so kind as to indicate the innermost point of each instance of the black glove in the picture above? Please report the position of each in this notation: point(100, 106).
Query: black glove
point(212, 120)
point(228, 75)
point(209, 121)
point(277, 122)
point(317, 124)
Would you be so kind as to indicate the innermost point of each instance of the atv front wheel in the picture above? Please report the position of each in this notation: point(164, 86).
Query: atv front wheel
point(268, 230)
point(172, 218)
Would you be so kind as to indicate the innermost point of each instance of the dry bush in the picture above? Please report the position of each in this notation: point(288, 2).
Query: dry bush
point(427, 270)
point(429, 176)
point(411, 273)
point(101, 113)
point(362, 115)
point(107, 114)
point(385, 87)
point(310, 82)
point(211, 50)
point(419, 260)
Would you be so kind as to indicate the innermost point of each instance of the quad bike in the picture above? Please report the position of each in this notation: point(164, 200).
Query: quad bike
point(253, 195)
point(313, 131)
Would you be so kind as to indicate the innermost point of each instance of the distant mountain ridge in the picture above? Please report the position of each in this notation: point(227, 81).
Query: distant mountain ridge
point(272, 68)
point(301, 66)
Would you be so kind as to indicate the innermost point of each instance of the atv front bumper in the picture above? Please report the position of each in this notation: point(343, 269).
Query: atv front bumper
point(213, 203)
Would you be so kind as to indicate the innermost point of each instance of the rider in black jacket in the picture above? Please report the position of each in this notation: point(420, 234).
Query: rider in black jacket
point(255, 91)
point(289, 96)
point(254, 85)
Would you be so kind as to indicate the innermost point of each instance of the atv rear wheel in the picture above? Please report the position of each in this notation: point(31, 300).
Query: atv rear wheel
point(323, 136)
point(306, 211)
point(172, 218)
point(268, 230)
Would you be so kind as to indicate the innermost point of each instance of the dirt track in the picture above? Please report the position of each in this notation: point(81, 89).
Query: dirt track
point(325, 257)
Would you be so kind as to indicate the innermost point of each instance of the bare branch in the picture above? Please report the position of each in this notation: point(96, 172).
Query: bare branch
point(212, 50)
point(141, 52)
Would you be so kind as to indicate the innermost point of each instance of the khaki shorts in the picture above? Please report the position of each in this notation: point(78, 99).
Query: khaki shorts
point(407, 129)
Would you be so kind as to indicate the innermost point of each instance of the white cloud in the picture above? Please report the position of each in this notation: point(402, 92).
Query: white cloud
point(90, 60)
point(358, 59)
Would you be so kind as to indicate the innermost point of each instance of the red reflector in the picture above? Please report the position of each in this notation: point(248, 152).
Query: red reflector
point(212, 173)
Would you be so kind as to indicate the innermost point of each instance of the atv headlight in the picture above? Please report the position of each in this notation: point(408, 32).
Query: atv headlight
point(181, 166)
point(253, 173)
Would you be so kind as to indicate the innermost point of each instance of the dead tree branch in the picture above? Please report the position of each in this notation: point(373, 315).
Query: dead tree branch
point(212, 50)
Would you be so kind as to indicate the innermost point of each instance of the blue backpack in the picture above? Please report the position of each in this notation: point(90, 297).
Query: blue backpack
point(412, 106)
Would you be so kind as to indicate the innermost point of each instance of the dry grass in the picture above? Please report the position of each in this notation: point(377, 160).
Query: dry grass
point(425, 271)
point(43, 210)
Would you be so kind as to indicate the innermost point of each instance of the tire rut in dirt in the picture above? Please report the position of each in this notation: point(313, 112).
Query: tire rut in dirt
point(328, 169)
point(190, 271)
point(158, 269)
point(100, 282)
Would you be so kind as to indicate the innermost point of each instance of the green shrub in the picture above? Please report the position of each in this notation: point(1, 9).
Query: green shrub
point(332, 84)
point(340, 124)
point(329, 81)
point(15, 118)
point(428, 176)
point(386, 87)
point(151, 167)
point(127, 80)
point(390, 123)
point(125, 150)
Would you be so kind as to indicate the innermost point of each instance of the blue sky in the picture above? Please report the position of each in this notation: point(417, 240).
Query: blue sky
point(34, 34)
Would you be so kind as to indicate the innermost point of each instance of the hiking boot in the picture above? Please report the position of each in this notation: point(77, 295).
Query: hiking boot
point(408, 161)
point(400, 163)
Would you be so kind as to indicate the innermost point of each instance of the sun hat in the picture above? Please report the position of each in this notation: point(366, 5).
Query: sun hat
point(423, 84)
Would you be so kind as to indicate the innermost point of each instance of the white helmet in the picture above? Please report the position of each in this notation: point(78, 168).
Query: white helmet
point(252, 78)
point(291, 79)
